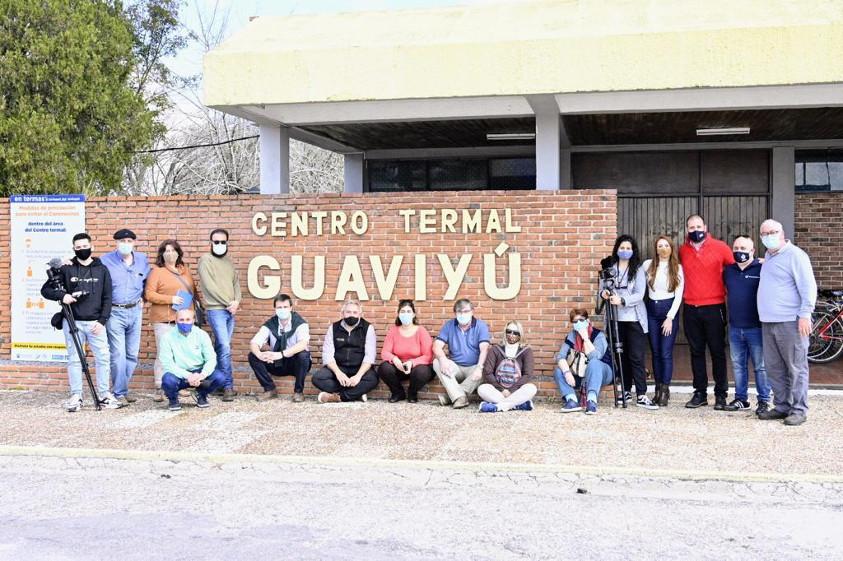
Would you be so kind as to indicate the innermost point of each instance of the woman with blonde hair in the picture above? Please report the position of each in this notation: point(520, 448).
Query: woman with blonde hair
point(665, 284)
point(508, 373)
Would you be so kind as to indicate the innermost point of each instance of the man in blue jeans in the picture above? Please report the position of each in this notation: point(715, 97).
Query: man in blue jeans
point(745, 338)
point(189, 361)
point(129, 270)
point(587, 339)
point(220, 285)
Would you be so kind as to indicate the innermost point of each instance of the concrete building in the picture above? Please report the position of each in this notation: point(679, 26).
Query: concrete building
point(719, 107)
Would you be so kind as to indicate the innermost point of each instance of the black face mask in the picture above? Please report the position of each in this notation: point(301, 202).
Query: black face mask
point(741, 256)
point(351, 321)
point(82, 254)
point(696, 236)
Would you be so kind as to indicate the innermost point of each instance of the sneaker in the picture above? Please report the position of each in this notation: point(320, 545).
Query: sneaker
point(772, 415)
point(762, 407)
point(625, 396)
point(720, 403)
point(645, 402)
point(591, 408)
point(325, 397)
point(364, 398)
point(266, 396)
point(460, 402)
point(444, 400)
point(795, 419)
point(526, 406)
point(175, 405)
point(737, 405)
point(298, 397)
point(110, 402)
point(201, 400)
point(73, 404)
point(571, 406)
point(486, 407)
point(130, 398)
point(158, 396)
point(697, 400)
point(228, 394)
point(124, 401)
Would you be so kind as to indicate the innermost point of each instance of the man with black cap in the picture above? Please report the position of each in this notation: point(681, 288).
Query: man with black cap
point(128, 269)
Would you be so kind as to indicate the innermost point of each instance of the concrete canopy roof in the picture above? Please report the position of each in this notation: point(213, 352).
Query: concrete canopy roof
point(527, 48)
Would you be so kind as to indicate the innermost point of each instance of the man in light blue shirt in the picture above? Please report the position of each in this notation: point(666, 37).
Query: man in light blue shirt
point(467, 338)
point(189, 360)
point(128, 269)
point(787, 293)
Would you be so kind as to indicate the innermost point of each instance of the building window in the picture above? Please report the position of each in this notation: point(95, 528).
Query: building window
point(819, 170)
point(455, 174)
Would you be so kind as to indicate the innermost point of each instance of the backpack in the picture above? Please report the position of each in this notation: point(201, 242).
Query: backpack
point(508, 371)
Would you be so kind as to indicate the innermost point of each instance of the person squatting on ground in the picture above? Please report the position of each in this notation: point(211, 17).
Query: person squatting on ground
point(586, 339)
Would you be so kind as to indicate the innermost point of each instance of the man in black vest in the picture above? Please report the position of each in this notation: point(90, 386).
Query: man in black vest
point(348, 354)
point(280, 348)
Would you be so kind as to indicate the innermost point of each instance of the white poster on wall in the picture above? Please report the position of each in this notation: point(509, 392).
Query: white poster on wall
point(42, 227)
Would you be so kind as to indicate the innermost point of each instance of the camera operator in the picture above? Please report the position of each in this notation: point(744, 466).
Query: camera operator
point(86, 287)
point(622, 285)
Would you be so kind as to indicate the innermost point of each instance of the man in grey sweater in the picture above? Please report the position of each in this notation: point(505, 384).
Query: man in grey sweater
point(787, 293)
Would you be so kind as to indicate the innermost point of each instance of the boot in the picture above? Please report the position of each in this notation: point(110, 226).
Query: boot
point(657, 395)
point(665, 395)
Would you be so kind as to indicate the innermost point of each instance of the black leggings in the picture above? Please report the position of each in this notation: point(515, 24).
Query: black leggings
point(634, 351)
point(392, 377)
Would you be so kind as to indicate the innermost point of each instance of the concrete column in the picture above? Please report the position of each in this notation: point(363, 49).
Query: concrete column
point(547, 150)
point(275, 159)
point(783, 206)
point(353, 173)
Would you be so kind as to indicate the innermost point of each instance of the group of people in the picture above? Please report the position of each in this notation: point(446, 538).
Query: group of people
point(768, 304)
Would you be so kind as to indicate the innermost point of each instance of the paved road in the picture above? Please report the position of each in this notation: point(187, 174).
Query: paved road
point(60, 509)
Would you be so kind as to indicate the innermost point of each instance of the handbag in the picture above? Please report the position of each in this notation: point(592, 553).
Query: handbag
point(577, 361)
point(198, 310)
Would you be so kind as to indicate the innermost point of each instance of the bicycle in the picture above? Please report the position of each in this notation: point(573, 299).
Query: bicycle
point(825, 343)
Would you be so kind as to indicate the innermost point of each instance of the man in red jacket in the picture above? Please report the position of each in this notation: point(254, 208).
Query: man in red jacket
point(703, 258)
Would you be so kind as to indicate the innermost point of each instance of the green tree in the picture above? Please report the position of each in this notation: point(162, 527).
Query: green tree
point(70, 113)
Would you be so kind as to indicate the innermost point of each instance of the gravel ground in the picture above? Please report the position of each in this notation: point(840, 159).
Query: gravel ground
point(674, 438)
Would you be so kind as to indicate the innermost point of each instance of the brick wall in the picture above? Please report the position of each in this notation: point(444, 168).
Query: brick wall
point(818, 231)
point(564, 234)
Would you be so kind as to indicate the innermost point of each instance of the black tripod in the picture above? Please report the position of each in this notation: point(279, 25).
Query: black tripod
point(67, 312)
point(612, 334)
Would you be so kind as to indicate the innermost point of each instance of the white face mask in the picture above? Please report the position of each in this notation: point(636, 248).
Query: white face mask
point(771, 242)
point(124, 248)
point(220, 249)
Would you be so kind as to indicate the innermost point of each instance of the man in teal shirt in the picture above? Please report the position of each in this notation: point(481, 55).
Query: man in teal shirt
point(189, 360)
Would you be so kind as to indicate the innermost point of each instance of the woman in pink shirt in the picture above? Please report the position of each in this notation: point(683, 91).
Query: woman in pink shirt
point(407, 353)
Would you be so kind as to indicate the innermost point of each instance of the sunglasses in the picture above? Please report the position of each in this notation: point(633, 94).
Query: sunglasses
point(512, 332)
point(220, 242)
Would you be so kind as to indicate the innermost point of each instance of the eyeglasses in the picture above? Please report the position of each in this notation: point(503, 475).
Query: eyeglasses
point(771, 233)
point(220, 242)
point(512, 332)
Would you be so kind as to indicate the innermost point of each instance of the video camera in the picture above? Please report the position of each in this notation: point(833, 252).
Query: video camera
point(607, 272)
point(54, 277)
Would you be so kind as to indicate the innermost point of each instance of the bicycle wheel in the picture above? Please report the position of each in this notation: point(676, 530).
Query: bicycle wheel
point(828, 346)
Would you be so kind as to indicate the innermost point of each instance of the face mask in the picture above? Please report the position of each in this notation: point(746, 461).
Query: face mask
point(625, 254)
point(463, 319)
point(696, 236)
point(406, 318)
point(82, 254)
point(184, 327)
point(171, 258)
point(351, 321)
point(663, 251)
point(125, 248)
point(580, 325)
point(219, 249)
point(771, 242)
point(741, 256)
point(283, 313)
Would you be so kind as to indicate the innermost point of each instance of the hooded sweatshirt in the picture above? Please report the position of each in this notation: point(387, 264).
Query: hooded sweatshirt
point(93, 278)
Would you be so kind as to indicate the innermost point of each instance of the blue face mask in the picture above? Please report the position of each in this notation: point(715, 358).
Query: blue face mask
point(283, 313)
point(184, 327)
point(625, 254)
point(771, 242)
point(124, 248)
point(741, 256)
point(580, 325)
point(464, 319)
point(406, 318)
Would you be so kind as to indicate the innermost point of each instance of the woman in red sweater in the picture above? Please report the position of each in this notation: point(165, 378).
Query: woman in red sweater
point(407, 353)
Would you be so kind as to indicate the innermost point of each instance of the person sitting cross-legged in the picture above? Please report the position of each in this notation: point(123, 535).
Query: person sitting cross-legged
point(189, 361)
point(587, 339)
point(508, 374)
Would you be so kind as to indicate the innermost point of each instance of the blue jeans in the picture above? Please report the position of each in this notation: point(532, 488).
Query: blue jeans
point(661, 345)
point(99, 346)
point(171, 384)
point(222, 324)
point(124, 335)
point(743, 345)
point(597, 375)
